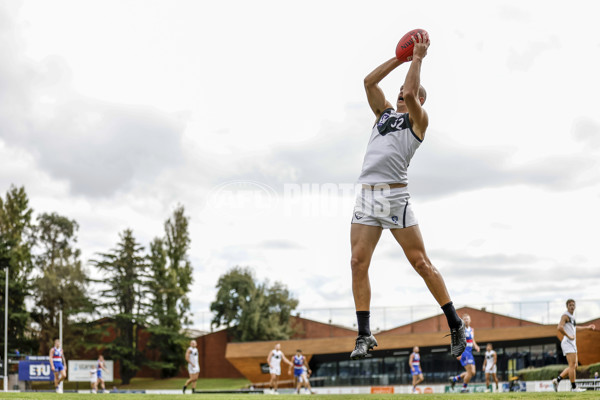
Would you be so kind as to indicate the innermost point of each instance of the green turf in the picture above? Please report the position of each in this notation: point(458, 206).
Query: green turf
point(494, 396)
point(154, 384)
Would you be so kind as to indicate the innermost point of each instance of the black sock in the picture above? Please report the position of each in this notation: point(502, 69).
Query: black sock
point(573, 385)
point(451, 315)
point(559, 378)
point(362, 317)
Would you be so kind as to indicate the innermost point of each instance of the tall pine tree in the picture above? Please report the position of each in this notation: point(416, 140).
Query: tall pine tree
point(61, 285)
point(170, 282)
point(16, 242)
point(126, 272)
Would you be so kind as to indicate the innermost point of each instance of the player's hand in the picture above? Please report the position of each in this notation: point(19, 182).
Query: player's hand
point(593, 327)
point(570, 337)
point(421, 45)
point(459, 357)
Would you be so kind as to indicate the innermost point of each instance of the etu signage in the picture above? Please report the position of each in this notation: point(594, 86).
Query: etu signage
point(38, 370)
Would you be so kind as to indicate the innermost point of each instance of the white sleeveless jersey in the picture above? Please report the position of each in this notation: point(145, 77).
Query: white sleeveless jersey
point(276, 358)
point(193, 356)
point(391, 147)
point(570, 324)
point(489, 357)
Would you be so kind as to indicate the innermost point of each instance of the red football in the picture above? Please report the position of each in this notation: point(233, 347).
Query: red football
point(404, 49)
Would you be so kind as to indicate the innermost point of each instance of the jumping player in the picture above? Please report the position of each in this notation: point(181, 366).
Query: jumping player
point(383, 202)
point(274, 360)
point(414, 361)
point(101, 366)
point(191, 356)
point(489, 365)
point(466, 358)
point(58, 365)
point(568, 328)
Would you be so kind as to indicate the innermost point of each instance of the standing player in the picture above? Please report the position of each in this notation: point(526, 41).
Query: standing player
point(489, 365)
point(384, 198)
point(305, 378)
point(299, 362)
point(94, 380)
point(58, 364)
point(191, 356)
point(414, 361)
point(466, 358)
point(568, 328)
point(101, 366)
point(274, 360)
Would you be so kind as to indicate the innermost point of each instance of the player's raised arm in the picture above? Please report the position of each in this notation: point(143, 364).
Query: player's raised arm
point(375, 95)
point(411, 90)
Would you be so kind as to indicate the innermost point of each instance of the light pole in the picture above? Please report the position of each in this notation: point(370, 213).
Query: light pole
point(5, 361)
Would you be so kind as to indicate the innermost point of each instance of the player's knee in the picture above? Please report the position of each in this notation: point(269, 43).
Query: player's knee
point(424, 267)
point(359, 265)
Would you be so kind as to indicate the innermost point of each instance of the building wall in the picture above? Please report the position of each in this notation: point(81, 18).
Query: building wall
point(480, 319)
point(305, 329)
point(211, 355)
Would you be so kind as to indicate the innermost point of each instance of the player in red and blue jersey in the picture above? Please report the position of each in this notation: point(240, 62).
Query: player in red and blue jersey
point(99, 369)
point(299, 362)
point(414, 361)
point(466, 359)
point(58, 365)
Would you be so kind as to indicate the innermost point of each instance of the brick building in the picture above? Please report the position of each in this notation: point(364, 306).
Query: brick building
point(519, 344)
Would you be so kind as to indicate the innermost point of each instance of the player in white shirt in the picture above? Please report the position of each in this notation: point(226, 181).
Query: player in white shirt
point(191, 356)
point(93, 380)
point(489, 365)
point(568, 327)
point(384, 200)
point(274, 360)
point(304, 378)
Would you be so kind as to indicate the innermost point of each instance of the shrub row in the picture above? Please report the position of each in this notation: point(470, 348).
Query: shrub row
point(551, 371)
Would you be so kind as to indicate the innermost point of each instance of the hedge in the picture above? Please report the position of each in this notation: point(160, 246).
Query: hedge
point(550, 372)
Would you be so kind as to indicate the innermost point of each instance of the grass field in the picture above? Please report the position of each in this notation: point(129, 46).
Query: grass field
point(151, 383)
point(492, 396)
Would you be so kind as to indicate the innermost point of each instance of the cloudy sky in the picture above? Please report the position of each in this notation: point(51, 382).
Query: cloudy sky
point(252, 114)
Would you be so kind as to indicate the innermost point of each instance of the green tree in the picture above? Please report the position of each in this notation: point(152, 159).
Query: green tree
point(250, 310)
point(16, 241)
point(170, 281)
point(62, 284)
point(126, 278)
